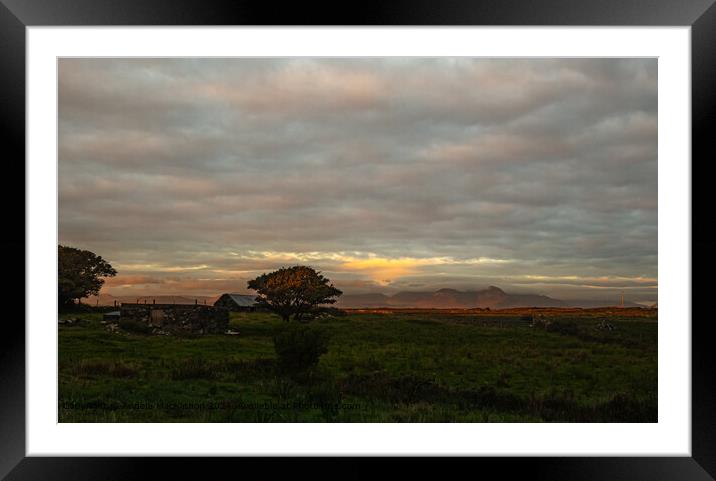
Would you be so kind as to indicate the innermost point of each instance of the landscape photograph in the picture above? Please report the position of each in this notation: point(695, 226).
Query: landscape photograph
point(357, 240)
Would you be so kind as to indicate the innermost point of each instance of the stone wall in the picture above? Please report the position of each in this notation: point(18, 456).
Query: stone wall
point(195, 318)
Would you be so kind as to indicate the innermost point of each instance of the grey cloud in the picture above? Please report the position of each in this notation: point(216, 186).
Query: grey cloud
point(548, 163)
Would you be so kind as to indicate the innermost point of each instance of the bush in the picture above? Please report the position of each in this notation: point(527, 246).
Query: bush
point(77, 308)
point(135, 326)
point(299, 347)
point(564, 327)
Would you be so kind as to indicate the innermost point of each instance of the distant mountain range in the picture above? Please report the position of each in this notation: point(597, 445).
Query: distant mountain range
point(492, 297)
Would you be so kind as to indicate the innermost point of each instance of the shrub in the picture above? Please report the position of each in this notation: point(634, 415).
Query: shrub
point(564, 327)
point(299, 347)
point(134, 326)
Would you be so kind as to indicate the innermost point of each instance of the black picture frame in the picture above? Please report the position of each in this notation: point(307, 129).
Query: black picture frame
point(16, 15)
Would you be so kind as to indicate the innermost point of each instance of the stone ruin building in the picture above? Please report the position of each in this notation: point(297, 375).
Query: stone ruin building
point(195, 318)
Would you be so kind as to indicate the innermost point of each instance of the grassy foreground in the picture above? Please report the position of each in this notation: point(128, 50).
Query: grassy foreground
point(391, 366)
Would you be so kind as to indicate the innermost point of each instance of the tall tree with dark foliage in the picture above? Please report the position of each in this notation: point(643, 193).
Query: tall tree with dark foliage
point(296, 291)
point(80, 274)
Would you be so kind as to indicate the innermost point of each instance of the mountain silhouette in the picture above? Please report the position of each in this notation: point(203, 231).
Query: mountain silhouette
point(492, 297)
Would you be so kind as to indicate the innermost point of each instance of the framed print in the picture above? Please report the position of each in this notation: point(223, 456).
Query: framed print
point(417, 230)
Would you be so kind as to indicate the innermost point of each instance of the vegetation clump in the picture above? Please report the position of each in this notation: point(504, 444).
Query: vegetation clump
point(294, 292)
point(299, 347)
point(80, 274)
point(134, 327)
point(569, 328)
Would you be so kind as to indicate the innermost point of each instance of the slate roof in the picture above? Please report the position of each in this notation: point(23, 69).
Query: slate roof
point(241, 300)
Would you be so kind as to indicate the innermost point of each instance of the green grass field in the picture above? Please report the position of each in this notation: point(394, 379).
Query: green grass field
point(422, 366)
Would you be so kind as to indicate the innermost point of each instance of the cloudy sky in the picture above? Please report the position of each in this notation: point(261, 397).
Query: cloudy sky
point(192, 176)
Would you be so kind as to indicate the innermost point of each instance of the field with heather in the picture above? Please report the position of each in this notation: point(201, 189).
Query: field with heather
point(514, 365)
